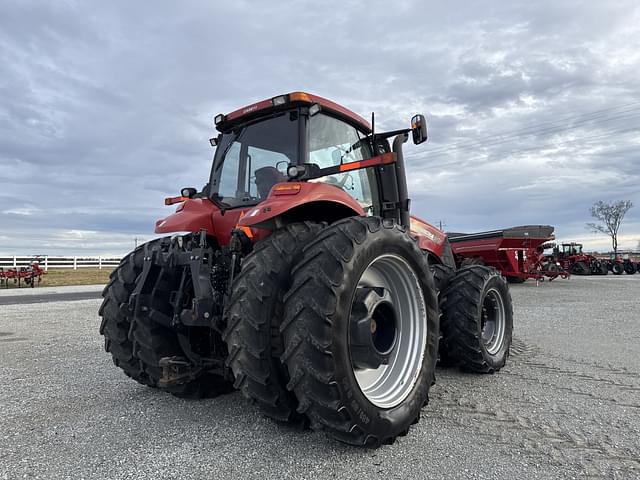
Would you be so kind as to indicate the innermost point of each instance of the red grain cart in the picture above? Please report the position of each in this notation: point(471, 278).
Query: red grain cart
point(516, 252)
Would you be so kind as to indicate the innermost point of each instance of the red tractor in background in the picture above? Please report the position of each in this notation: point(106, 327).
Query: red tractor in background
point(298, 276)
point(621, 263)
point(572, 259)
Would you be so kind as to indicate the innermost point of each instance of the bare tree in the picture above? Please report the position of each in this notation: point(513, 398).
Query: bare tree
point(610, 216)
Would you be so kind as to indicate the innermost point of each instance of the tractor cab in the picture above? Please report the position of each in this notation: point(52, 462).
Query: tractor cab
point(255, 154)
point(571, 249)
point(301, 137)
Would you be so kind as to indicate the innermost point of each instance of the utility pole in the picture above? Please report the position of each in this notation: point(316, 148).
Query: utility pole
point(441, 224)
point(135, 242)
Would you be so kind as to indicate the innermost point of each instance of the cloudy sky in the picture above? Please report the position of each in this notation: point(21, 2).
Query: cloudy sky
point(106, 107)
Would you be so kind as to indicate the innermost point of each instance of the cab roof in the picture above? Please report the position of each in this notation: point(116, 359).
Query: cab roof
point(280, 102)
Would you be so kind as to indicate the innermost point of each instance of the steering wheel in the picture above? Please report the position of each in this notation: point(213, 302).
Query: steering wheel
point(338, 183)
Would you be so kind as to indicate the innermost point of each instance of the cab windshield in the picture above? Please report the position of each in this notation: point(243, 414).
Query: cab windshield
point(572, 249)
point(253, 158)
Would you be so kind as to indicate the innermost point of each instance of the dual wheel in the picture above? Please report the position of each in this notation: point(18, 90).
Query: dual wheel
point(340, 327)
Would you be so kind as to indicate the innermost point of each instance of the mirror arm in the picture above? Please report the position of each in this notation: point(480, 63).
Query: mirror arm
point(392, 133)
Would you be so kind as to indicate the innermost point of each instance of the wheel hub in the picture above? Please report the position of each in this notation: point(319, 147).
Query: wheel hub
point(493, 321)
point(373, 327)
point(387, 331)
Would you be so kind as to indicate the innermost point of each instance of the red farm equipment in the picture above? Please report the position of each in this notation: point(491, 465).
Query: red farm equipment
point(29, 275)
point(517, 252)
point(573, 260)
point(303, 281)
point(621, 263)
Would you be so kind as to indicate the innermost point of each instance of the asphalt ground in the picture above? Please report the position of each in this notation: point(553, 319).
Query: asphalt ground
point(567, 405)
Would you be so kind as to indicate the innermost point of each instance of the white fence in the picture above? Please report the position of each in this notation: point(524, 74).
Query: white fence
point(47, 262)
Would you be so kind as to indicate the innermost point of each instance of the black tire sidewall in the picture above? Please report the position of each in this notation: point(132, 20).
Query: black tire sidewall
point(498, 359)
point(375, 420)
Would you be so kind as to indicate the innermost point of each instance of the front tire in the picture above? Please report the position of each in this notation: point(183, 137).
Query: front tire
point(617, 268)
point(477, 319)
point(341, 319)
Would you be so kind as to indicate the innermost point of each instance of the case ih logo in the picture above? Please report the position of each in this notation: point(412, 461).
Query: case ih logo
point(249, 109)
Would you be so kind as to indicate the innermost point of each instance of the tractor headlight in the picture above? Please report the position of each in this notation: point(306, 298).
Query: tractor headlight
point(277, 101)
point(218, 119)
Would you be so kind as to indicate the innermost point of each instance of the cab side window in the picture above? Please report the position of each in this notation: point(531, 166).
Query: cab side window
point(333, 142)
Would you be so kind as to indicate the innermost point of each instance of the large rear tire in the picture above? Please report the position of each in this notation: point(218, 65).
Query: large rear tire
point(617, 268)
point(341, 320)
point(116, 322)
point(147, 341)
point(253, 320)
point(629, 268)
point(477, 319)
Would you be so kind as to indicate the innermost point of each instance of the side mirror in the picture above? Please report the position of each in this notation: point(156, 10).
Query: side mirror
point(419, 129)
point(188, 192)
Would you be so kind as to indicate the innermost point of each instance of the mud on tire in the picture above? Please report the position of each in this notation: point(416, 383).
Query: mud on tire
point(318, 330)
point(253, 320)
point(475, 336)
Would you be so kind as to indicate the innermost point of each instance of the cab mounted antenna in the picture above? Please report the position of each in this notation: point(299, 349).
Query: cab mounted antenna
point(373, 130)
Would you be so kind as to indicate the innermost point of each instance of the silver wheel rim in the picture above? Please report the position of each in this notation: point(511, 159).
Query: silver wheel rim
point(388, 385)
point(493, 321)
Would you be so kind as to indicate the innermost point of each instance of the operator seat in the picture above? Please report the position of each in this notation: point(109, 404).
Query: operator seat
point(267, 177)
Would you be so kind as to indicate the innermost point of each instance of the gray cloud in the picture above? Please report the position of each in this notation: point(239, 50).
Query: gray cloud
point(106, 107)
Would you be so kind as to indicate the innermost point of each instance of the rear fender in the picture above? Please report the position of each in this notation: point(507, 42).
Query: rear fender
point(432, 240)
point(191, 216)
point(299, 201)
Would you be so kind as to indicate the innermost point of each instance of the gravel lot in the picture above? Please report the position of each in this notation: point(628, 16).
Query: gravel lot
point(567, 405)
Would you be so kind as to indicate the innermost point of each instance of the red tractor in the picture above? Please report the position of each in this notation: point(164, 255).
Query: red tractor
point(621, 263)
point(573, 260)
point(298, 276)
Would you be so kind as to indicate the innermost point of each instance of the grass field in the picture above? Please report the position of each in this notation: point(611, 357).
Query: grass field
point(57, 277)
